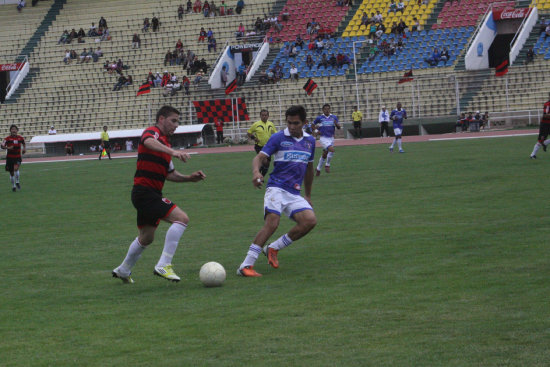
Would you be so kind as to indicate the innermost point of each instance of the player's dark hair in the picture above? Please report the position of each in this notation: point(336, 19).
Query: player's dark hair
point(264, 110)
point(326, 105)
point(299, 111)
point(12, 126)
point(166, 111)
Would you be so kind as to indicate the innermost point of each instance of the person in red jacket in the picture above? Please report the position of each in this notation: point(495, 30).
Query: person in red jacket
point(219, 131)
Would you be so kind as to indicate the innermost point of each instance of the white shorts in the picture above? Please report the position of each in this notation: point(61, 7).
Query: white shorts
point(326, 142)
point(397, 131)
point(280, 201)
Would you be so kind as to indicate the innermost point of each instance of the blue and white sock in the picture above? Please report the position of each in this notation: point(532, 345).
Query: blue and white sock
point(329, 158)
point(251, 256)
point(281, 242)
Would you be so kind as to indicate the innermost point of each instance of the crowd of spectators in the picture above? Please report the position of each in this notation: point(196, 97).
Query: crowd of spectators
point(466, 119)
point(210, 9)
point(101, 33)
point(438, 56)
point(86, 55)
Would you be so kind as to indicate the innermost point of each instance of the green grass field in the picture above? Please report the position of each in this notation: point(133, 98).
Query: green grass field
point(436, 257)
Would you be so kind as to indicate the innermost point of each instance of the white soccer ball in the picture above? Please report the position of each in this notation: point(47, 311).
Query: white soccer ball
point(212, 274)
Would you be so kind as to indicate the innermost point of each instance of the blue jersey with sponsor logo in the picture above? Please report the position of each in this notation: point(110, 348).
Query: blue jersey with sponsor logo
point(399, 116)
point(326, 125)
point(290, 158)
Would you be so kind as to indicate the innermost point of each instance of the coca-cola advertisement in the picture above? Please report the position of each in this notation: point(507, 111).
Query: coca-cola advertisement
point(10, 67)
point(511, 13)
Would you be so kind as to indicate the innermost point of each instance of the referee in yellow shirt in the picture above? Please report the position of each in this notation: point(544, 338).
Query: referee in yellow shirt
point(260, 132)
point(105, 143)
point(357, 118)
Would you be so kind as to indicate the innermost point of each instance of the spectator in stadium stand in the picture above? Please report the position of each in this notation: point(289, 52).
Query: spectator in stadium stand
point(461, 122)
point(240, 31)
point(52, 130)
point(240, 6)
point(146, 25)
point(97, 54)
point(169, 90)
point(64, 37)
point(333, 60)
point(72, 36)
point(168, 58)
point(210, 33)
point(372, 31)
point(258, 25)
point(106, 36)
point(530, 57)
point(542, 25)
point(393, 7)
point(484, 120)
point(270, 76)
point(206, 8)
point(400, 6)
point(416, 25)
point(67, 58)
point(155, 23)
point(202, 35)
point(179, 44)
point(129, 81)
point(241, 74)
point(74, 55)
point(136, 41)
point(293, 72)
point(223, 76)
point(92, 32)
point(378, 18)
point(223, 8)
point(80, 34)
point(84, 57)
point(198, 77)
point(401, 26)
point(445, 55)
point(102, 22)
point(165, 78)
point(119, 66)
point(212, 44)
point(186, 82)
point(121, 81)
point(20, 5)
point(434, 58)
point(293, 51)
point(324, 62)
point(69, 148)
point(365, 20)
point(197, 7)
point(309, 61)
point(547, 31)
point(158, 80)
point(180, 12)
point(189, 7)
point(299, 42)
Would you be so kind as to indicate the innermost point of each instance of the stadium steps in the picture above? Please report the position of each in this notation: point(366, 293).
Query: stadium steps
point(435, 14)
point(344, 23)
point(530, 42)
point(273, 52)
point(523, 3)
point(26, 83)
point(472, 88)
point(277, 7)
point(48, 20)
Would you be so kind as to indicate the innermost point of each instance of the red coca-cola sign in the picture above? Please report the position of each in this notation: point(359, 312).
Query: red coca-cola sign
point(510, 13)
point(10, 67)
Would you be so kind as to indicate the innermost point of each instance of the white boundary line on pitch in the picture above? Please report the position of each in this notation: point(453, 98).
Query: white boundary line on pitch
point(483, 137)
point(84, 159)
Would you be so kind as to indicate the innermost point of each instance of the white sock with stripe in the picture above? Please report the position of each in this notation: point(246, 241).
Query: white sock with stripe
point(133, 255)
point(251, 256)
point(320, 165)
point(536, 149)
point(281, 242)
point(17, 176)
point(329, 158)
point(173, 236)
point(399, 144)
point(393, 143)
point(12, 180)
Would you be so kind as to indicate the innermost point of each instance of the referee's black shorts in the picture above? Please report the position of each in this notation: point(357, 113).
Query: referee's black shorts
point(151, 206)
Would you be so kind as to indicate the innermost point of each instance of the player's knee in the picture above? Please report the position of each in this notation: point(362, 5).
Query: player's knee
point(309, 222)
point(146, 239)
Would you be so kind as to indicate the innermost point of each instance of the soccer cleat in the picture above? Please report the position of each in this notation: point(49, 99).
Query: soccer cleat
point(18, 185)
point(533, 157)
point(401, 151)
point(327, 169)
point(271, 256)
point(126, 279)
point(14, 189)
point(391, 149)
point(166, 272)
point(317, 172)
point(248, 271)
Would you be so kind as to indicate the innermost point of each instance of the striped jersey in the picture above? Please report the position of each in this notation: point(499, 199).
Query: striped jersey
point(290, 159)
point(399, 116)
point(14, 144)
point(546, 111)
point(326, 125)
point(152, 166)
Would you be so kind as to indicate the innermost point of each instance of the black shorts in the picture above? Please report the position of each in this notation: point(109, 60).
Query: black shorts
point(544, 130)
point(356, 124)
point(151, 206)
point(257, 148)
point(106, 145)
point(11, 162)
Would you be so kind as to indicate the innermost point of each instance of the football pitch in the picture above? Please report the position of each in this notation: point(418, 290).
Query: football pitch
point(436, 257)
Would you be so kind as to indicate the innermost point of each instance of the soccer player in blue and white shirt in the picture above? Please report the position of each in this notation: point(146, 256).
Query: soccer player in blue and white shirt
point(326, 125)
point(397, 117)
point(292, 151)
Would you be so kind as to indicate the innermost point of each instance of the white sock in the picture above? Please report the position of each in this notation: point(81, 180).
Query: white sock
point(536, 149)
point(546, 141)
point(17, 176)
point(399, 144)
point(281, 242)
point(320, 165)
point(251, 256)
point(173, 236)
point(12, 180)
point(393, 143)
point(133, 255)
point(329, 158)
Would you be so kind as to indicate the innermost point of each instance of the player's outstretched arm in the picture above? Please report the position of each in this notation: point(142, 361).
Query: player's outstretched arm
point(176, 176)
point(258, 161)
point(159, 147)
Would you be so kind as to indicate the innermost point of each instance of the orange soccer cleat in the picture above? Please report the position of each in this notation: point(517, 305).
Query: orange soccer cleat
point(248, 271)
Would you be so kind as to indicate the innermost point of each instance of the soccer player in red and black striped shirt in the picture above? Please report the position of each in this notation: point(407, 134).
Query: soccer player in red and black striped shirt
point(544, 130)
point(154, 167)
point(15, 144)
